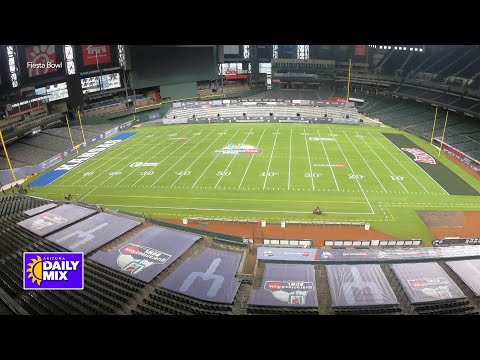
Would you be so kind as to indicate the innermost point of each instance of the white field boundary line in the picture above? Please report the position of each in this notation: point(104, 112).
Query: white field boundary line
point(328, 160)
point(270, 161)
point(231, 160)
point(289, 158)
point(95, 164)
point(157, 153)
point(204, 171)
point(236, 210)
point(248, 166)
point(198, 157)
point(379, 158)
point(309, 161)
point(150, 143)
point(446, 192)
point(393, 157)
point(175, 163)
point(353, 172)
point(366, 163)
point(109, 177)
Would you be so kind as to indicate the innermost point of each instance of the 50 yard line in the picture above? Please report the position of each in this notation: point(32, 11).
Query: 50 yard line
point(270, 161)
point(194, 161)
point(233, 158)
point(204, 171)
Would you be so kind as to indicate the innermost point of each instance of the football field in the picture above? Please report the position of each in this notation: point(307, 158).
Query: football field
point(266, 171)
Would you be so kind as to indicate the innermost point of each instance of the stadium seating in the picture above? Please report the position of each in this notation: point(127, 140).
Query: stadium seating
point(107, 291)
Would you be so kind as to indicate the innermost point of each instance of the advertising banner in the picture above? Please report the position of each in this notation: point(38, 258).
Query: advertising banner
point(286, 285)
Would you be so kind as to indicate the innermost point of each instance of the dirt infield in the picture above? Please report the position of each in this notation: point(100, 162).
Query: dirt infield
point(469, 228)
point(464, 166)
point(435, 219)
point(317, 233)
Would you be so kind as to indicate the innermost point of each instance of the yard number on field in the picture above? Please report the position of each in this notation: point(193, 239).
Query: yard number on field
point(355, 176)
point(146, 173)
point(90, 173)
point(270, 173)
point(224, 173)
point(314, 175)
point(397, 178)
point(182, 173)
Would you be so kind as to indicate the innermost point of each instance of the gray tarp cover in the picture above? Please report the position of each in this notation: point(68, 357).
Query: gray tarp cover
point(39, 209)
point(426, 282)
point(469, 272)
point(148, 253)
point(210, 276)
point(359, 285)
point(93, 232)
point(55, 219)
point(286, 285)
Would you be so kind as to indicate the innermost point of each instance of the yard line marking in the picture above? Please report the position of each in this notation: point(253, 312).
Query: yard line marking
point(248, 166)
point(99, 163)
point(289, 158)
point(155, 155)
point(309, 162)
point(198, 143)
point(270, 161)
point(379, 158)
point(114, 164)
point(232, 199)
point(198, 157)
point(204, 171)
point(385, 190)
point(108, 178)
point(240, 210)
point(328, 160)
point(353, 172)
point(415, 164)
point(233, 158)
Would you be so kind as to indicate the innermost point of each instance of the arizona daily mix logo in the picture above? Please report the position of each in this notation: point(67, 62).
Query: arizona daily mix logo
point(53, 271)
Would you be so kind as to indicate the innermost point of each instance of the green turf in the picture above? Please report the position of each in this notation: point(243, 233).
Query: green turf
point(378, 183)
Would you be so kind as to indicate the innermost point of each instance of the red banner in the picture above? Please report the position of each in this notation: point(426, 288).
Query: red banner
point(41, 59)
point(231, 74)
point(360, 50)
point(90, 53)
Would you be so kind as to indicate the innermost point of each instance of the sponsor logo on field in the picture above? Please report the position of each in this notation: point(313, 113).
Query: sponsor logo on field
point(52, 271)
point(233, 149)
point(143, 164)
point(420, 155)
point(290, 292)
point(134, 258)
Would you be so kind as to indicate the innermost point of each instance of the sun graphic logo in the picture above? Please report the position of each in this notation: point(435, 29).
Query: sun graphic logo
point(35, 270)
point(53, 271)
